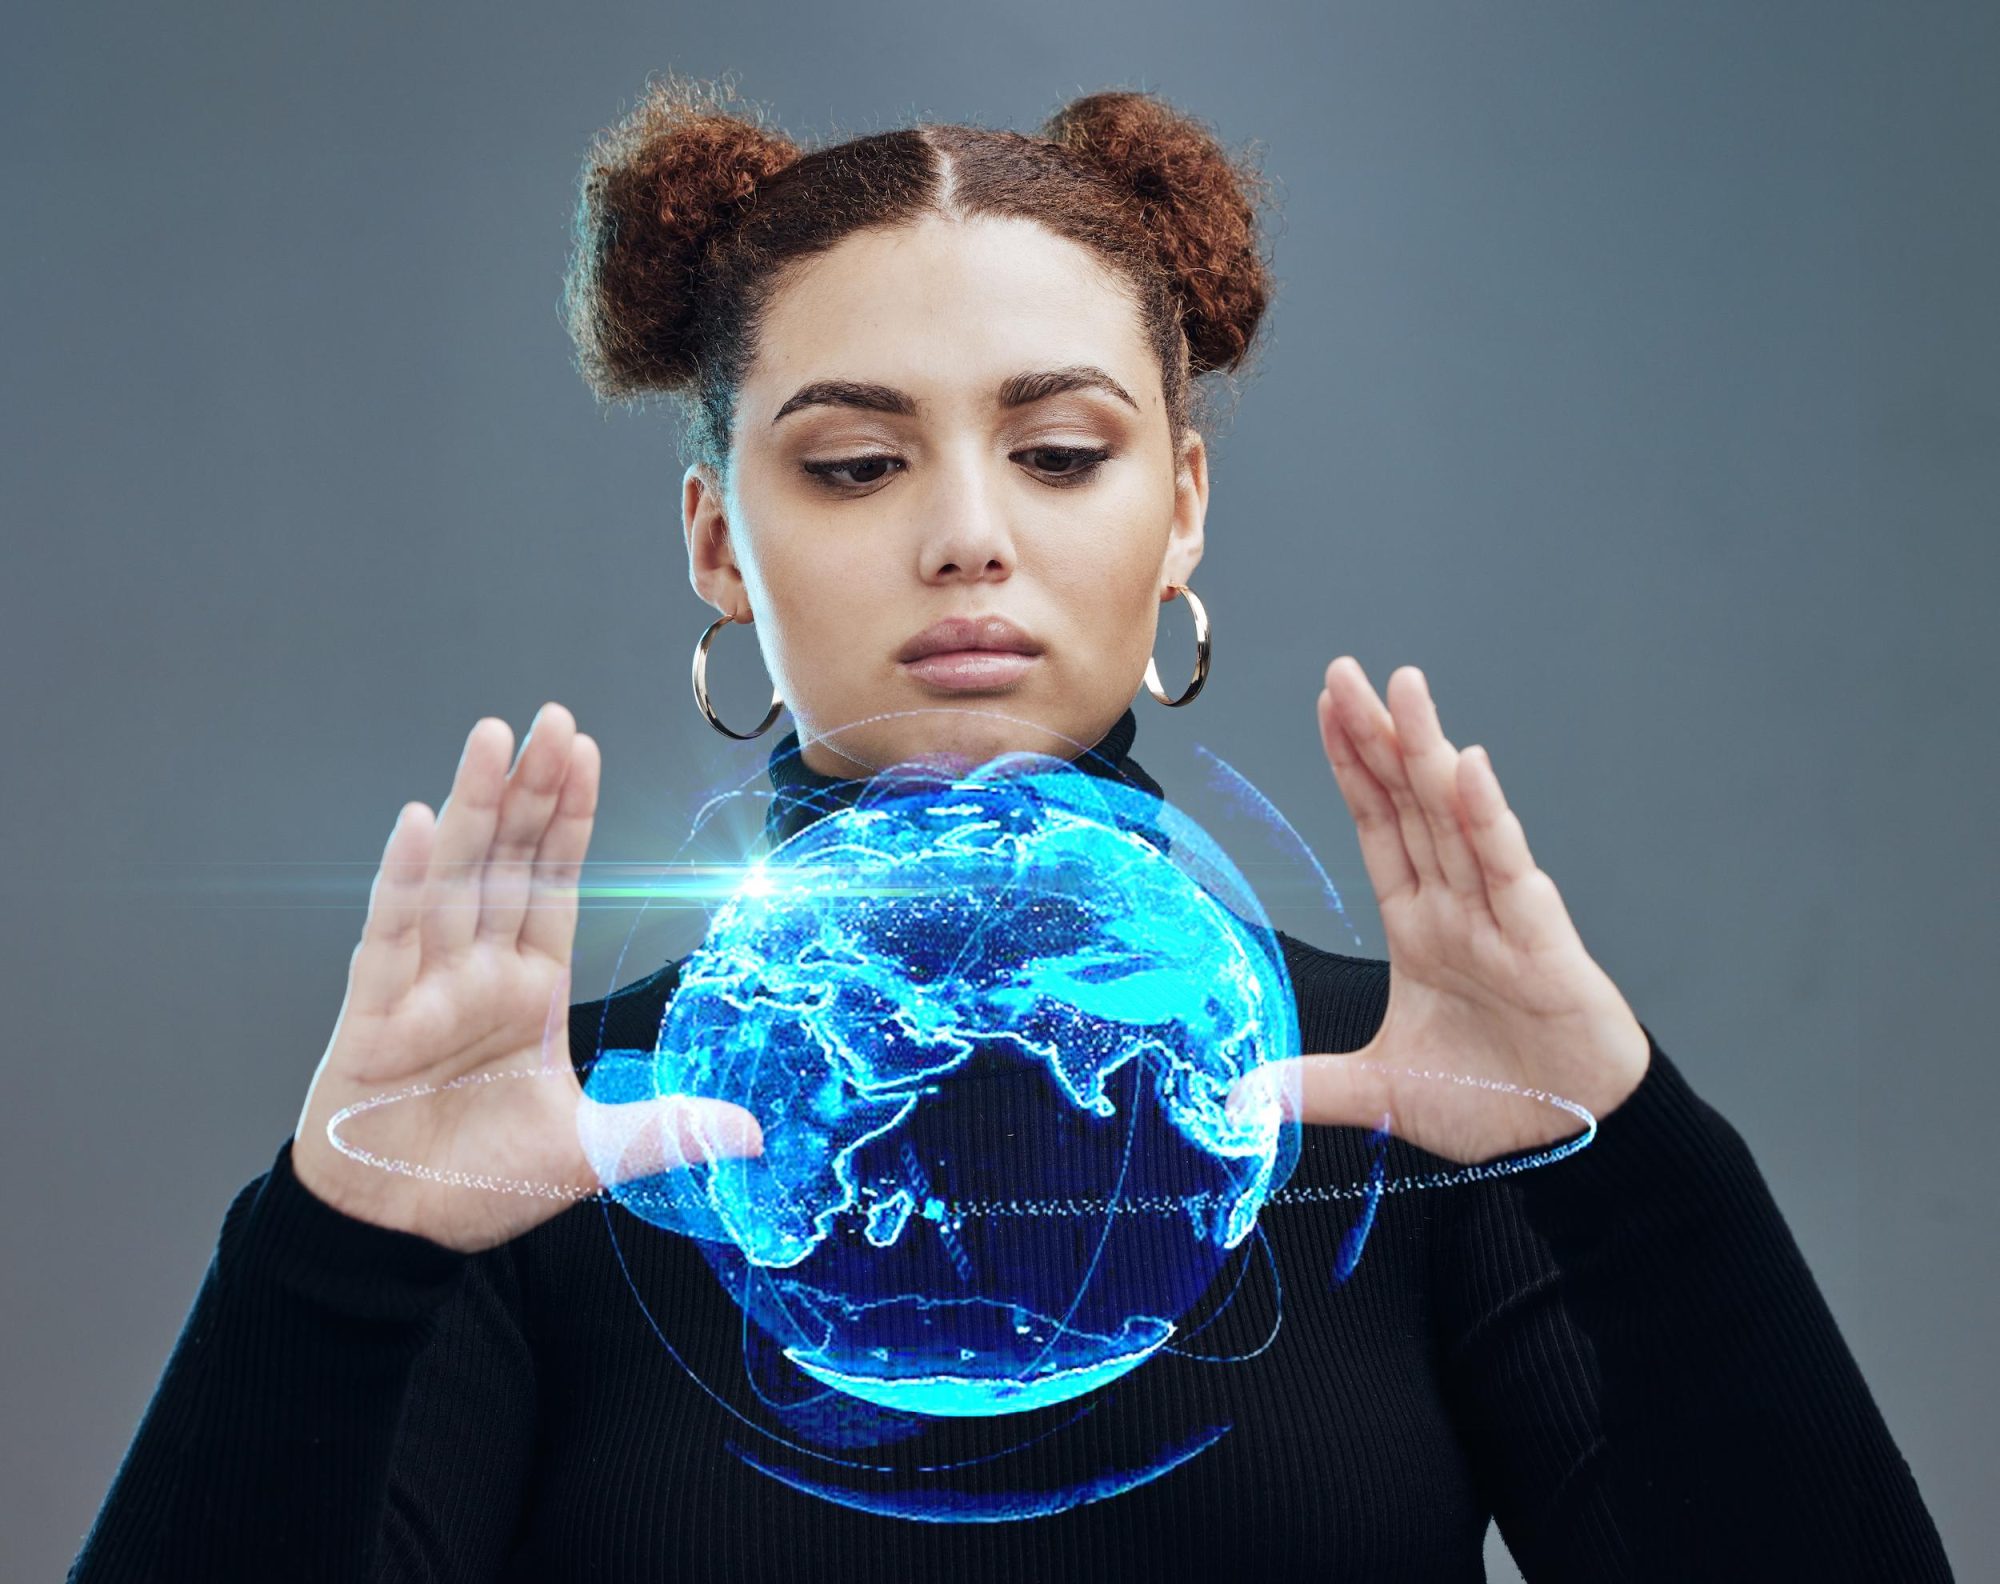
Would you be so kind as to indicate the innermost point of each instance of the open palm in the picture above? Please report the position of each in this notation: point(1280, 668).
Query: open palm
point(461, 979)
point(1489, 983)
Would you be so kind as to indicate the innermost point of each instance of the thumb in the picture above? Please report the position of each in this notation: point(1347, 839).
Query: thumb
point(638, 1138)
point(1328, 1088)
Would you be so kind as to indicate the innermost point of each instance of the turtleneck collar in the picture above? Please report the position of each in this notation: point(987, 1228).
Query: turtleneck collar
point(800, 794)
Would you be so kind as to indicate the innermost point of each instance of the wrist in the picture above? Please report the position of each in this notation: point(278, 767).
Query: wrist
point(1628, 1056)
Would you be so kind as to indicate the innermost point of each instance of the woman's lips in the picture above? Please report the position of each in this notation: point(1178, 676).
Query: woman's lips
point(960, 669)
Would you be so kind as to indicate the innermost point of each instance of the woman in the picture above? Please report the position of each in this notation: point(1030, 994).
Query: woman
point(940, 384)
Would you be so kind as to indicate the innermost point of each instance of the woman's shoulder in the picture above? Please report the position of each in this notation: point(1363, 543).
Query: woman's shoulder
point(1319, 956)
point(1341, 998)
point(627, 1018)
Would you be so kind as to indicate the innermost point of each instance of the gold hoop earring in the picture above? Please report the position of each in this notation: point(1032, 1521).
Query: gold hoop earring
point(1201, 648)
point(701, 686)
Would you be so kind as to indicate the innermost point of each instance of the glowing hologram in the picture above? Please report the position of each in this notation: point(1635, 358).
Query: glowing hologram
point(1226, 777)
point(988, 1026)
point(910, 983)
point(1356, 1236)
point(901, 1380)
point(979, 1504)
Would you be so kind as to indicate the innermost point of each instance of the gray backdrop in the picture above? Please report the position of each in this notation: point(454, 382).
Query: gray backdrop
point(1632, 372)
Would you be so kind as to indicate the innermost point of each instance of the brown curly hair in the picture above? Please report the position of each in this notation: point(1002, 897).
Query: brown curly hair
point(690, 212)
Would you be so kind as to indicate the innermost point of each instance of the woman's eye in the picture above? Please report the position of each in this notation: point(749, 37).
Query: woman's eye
point(1058, 465)
point(828, 472)
point(1067, 464)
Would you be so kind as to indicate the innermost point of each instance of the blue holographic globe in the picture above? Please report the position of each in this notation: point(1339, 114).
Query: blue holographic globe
point(988, 1026)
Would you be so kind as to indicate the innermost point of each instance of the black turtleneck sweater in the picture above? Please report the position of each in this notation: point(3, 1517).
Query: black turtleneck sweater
point(1621, 1356)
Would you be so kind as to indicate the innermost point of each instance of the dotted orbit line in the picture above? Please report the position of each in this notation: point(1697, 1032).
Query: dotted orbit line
point(1158, 1204)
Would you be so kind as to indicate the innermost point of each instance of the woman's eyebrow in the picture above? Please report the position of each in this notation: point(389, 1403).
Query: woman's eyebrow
point(1015, 391)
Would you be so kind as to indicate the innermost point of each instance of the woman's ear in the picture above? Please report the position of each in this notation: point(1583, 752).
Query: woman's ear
point(1184, 539)
point(712, 567)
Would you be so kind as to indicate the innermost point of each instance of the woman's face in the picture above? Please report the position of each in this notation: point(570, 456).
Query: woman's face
point(885, 476)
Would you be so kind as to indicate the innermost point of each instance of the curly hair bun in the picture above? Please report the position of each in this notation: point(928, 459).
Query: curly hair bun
point(657, 192)
point(1197, 201)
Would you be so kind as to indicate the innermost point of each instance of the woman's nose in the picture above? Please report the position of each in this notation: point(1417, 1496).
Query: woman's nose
point(967, 527)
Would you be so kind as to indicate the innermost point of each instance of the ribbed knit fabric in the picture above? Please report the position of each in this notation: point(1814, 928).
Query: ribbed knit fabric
point(1623, 1356)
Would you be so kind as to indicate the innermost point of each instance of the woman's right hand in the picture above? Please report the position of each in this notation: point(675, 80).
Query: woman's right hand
point(463, 971)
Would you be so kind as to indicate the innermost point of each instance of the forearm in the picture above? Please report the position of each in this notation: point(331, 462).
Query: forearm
point(265, 1450)
point(1738, 1431)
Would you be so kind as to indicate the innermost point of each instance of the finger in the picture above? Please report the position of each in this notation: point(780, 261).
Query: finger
point(1329, 1089)
point(464, 835)
point(386, 958)
point(1374, 814)
point(526, 803)
point(1373, 731)
point(638, 1138)
point(1433, 766)
point(1517, 890)
point(550, 927)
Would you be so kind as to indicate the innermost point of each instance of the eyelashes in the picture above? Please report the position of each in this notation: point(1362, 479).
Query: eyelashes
point(826, 473)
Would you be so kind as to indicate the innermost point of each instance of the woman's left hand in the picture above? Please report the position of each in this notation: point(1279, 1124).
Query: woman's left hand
point(1488, 979)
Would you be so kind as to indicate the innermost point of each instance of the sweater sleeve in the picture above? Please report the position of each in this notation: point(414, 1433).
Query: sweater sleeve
point(345, 1402)
point(1647, 1378)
